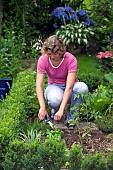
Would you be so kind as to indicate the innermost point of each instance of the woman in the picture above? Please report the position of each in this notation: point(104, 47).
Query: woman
point(63, 85)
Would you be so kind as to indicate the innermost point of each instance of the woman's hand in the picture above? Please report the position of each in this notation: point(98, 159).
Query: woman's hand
point(58, 115)
point(42, 113)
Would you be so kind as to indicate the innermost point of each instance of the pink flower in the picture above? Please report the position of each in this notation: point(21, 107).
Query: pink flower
point(107, 54)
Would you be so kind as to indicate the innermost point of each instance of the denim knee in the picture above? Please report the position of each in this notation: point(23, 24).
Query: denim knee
point(54, 95)
point(80, 88)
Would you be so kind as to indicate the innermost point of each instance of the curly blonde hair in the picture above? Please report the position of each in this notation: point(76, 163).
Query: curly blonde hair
point(53, 43)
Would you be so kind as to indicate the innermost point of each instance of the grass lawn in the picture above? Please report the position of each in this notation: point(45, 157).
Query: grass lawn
point(87, 64)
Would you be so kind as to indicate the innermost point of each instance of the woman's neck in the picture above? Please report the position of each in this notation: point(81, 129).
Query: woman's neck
point(57, 62)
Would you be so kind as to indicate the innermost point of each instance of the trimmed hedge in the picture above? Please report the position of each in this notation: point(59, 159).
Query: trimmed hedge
point(16, 108)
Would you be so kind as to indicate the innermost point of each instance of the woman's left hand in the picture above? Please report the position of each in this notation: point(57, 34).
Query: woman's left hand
point(58, 115)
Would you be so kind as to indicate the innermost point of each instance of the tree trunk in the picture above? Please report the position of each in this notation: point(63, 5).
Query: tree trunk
point(1, 15)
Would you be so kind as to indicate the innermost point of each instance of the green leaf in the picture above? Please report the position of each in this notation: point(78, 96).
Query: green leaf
point(68, 42)
point(58, 32)
point(76, 35)
point(79, 41)
point(72, 37)
point(109, 77)
point(79, 30)
point(79, 34)
point(65, 40)
point(85, 41)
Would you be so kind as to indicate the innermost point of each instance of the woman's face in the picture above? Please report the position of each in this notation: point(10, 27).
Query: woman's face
point(56, 56)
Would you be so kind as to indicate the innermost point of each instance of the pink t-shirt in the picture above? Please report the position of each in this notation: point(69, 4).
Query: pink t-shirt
point(57, 75)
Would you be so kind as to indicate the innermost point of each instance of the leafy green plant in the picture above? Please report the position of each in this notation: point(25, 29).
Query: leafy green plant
point(94, 162)
point(75, 157)
point(31, 136)
point(103, 27)
point(10, 53)
point(17, 107)
point(97, 104)
point(95, 80)
point(101, 99)
point(13, 157)
point(54, 134)
point(52, 153)
point(75, 33)
point(22, 155)
point(110, 160)
point(109, 78)
point(73, 28)
point(75, 4)
point(105, 123)
point(31, 159)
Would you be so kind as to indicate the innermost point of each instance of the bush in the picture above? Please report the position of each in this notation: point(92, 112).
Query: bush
point(13, 157)
point(110, 161)
point(17, 107)
point(22, 155)
point(75, 158)
point(94, 162)
point(92, 80)
point(105, 123)
point(52, 154)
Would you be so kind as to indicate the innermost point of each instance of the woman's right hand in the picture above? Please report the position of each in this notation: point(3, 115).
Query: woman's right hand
point(42, 113)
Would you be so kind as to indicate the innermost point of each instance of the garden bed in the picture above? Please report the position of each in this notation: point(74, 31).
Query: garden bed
point(89, 136)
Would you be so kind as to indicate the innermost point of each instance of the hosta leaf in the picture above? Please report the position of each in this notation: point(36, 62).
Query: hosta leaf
point(58, 32)
point(67, 32)
point(72, 37)
point(91, 32)
point(76, 35)
point(86, 30)
point(85, 41)
point(65, 40)
point(68, 42)
point(84, 35)
point(79, 34)
point(109, 77)
point(79, 41)
point(79, 30)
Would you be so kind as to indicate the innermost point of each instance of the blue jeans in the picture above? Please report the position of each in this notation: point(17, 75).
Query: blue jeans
point(54, 95)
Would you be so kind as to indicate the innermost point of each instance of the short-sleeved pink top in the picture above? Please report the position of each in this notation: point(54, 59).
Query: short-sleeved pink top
point(57, 75)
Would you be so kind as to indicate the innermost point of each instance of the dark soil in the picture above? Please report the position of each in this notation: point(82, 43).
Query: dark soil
point(91, 139)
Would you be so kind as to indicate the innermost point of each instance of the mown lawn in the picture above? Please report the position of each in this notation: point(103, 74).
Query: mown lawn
point(87, 64)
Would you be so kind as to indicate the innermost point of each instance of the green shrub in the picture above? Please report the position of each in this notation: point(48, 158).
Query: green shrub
point(31, 159)
point(13, 157)
point(94, 162)
point(75, 158)
point(22, 155)
point(18, 106)
point(52, 154)
point(91, 79)
point(98, 103)
point(110, 161)
point(105, 123)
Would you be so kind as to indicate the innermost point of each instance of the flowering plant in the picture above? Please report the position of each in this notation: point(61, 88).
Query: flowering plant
point(65, 15)
point(105, 60)
point(73, 28)
point(38, 45)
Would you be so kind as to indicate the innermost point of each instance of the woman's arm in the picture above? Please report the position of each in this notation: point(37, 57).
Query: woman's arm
point(40, 95)
point(69, 85)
